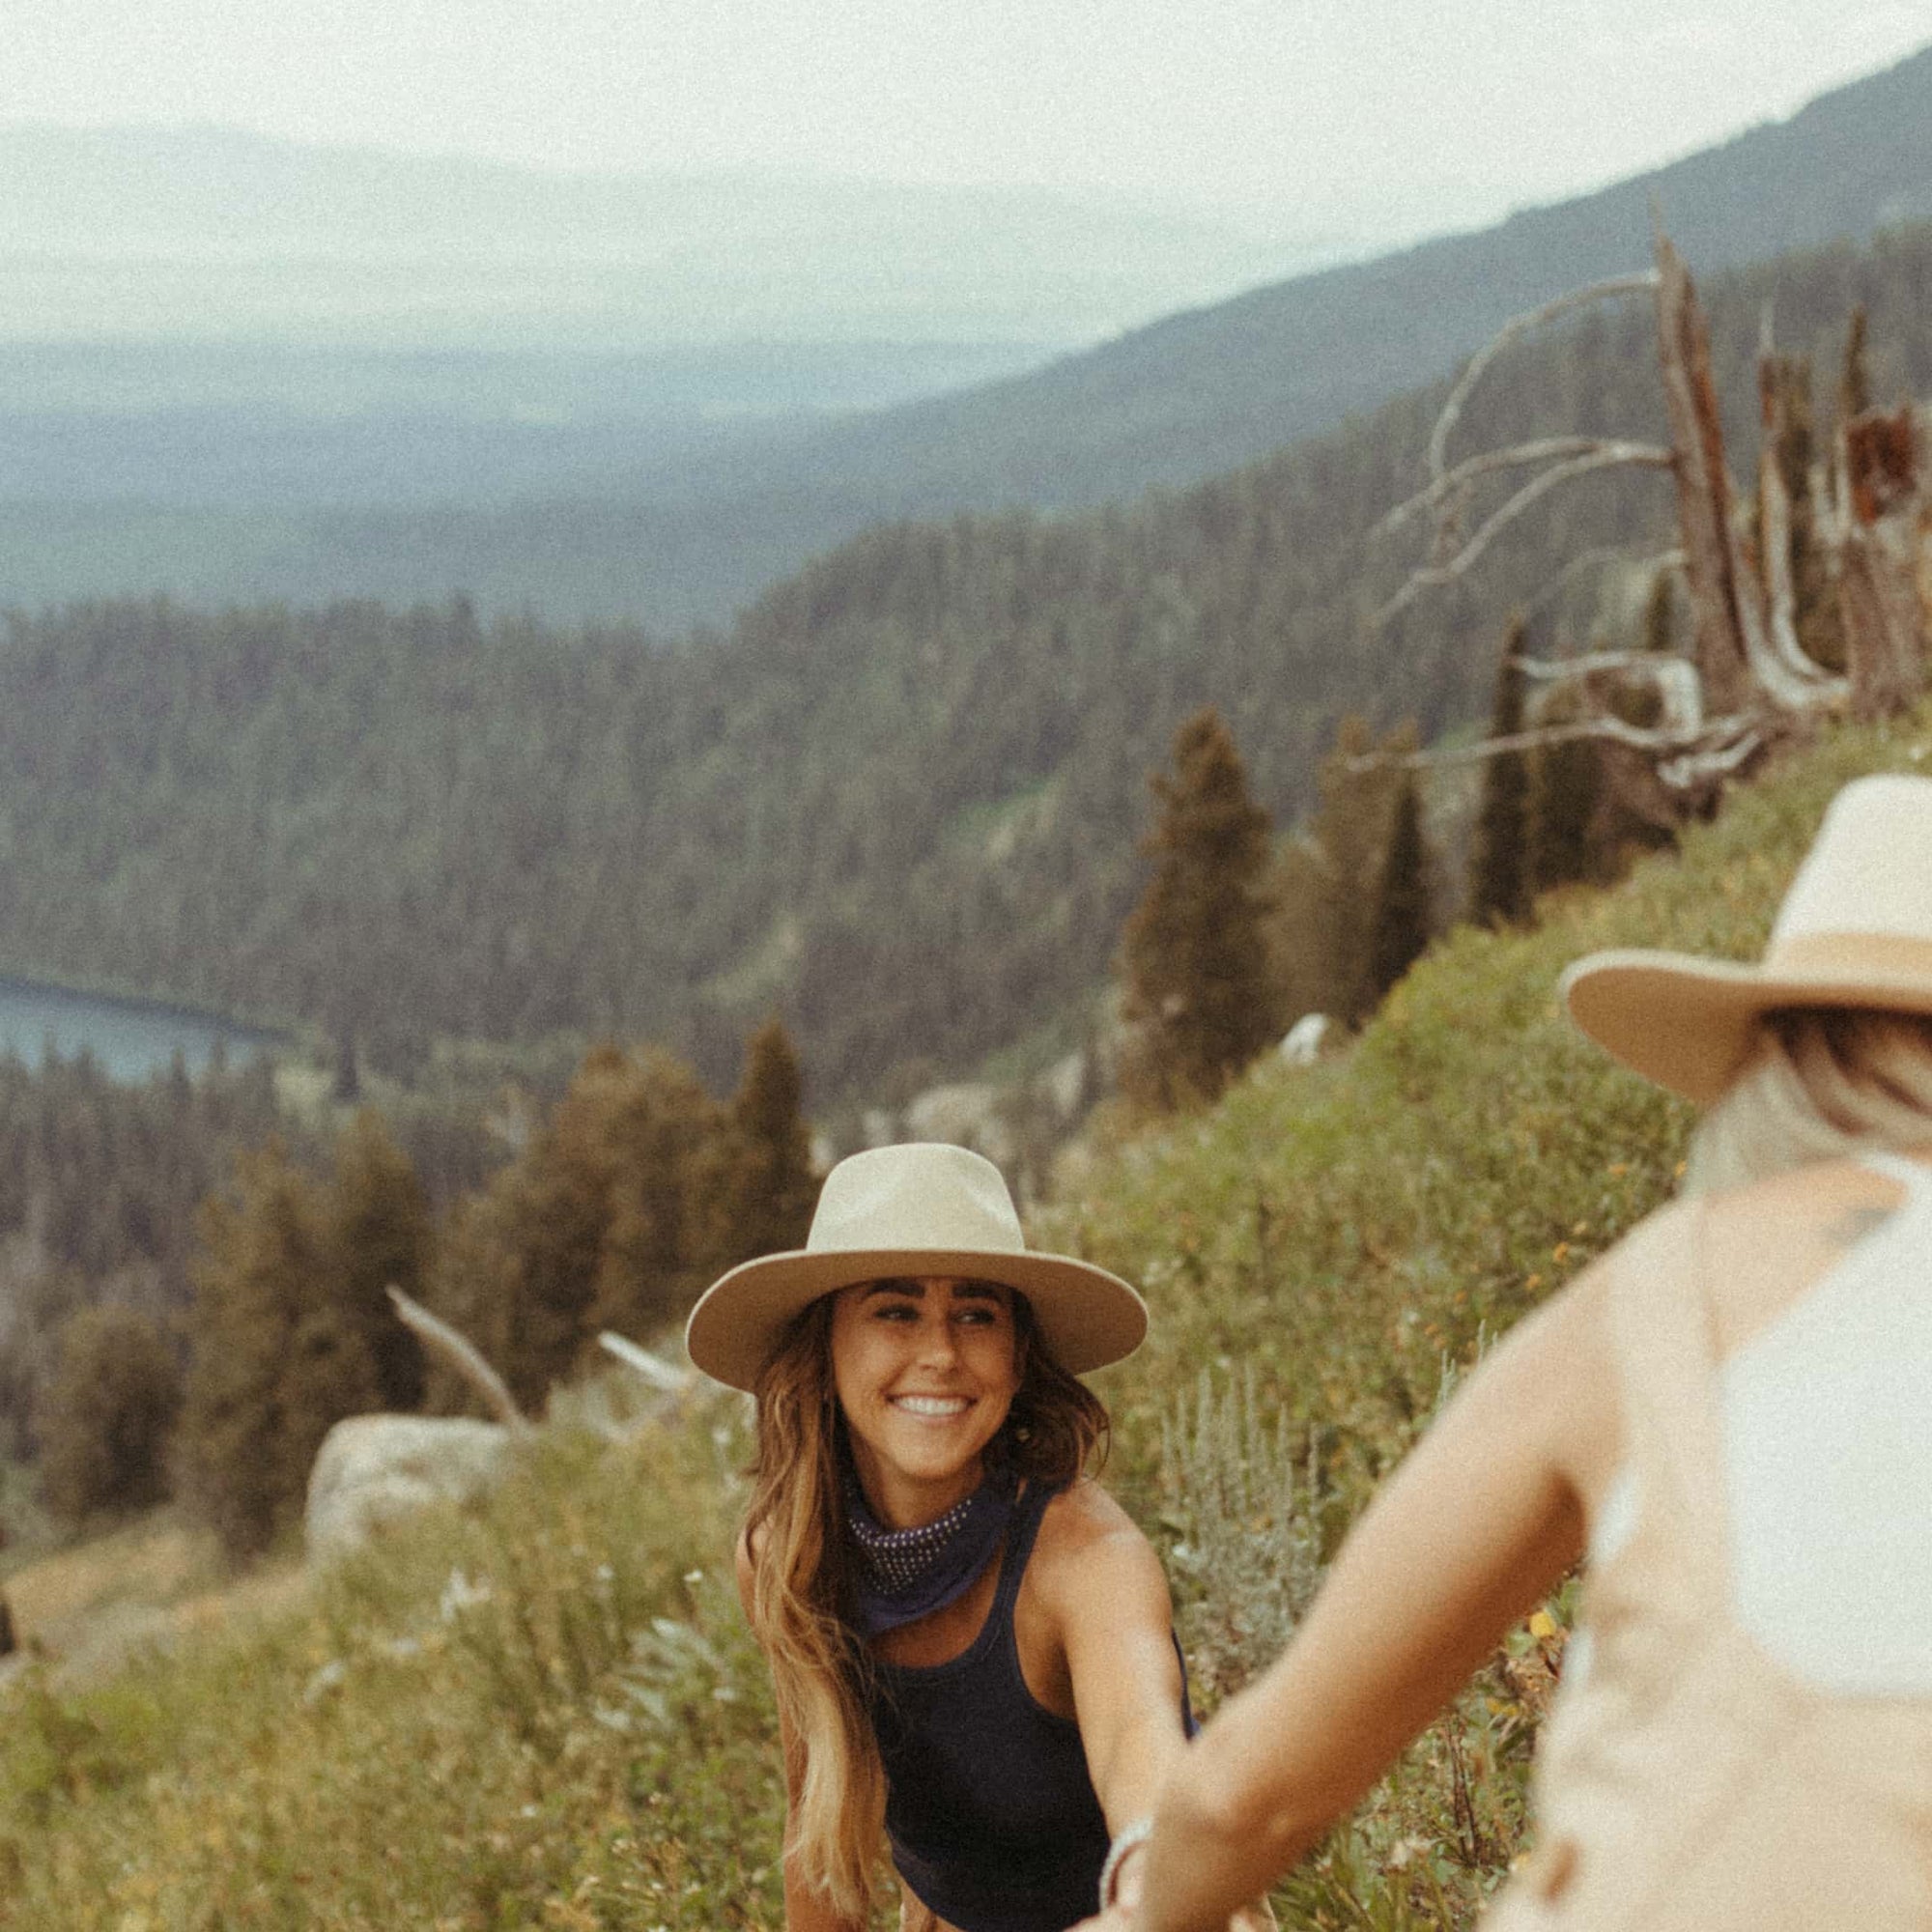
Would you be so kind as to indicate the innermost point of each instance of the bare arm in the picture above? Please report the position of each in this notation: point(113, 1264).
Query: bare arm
point(1108, 1596)
point(1475, 1527)
point(806, 1909)
point(1115, 1617)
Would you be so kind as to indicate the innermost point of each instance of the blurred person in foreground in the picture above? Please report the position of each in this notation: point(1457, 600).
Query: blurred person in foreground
point(971, 1643)
point(1730, 1413)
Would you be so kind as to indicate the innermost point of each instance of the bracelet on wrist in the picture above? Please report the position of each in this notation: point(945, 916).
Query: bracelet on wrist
point(1127, 1839)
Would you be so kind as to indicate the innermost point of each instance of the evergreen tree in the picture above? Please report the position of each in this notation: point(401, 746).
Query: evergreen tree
point(1200, 1000)
point(347, 1086)
point(276, 1358)
point(1352, 835)
point(658, 1125)
point(1499, 871)
point(1658, 634)
point(379, 1224)
point(758, 1186)
point(598, 1223)
point(109, 1414)
point(1400, 934)
point(1566, 798)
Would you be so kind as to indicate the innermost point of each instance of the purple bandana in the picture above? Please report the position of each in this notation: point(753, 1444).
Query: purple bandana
point(904, 1575)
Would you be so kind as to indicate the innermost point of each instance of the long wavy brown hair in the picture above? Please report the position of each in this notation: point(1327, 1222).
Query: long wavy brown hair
point(802, 1581)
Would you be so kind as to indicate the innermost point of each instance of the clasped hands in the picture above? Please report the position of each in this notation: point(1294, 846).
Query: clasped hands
point(1120, 1915)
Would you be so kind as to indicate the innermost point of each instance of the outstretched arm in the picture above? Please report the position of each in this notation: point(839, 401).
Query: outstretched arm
point(1474, 1528)
point(1109, 1597)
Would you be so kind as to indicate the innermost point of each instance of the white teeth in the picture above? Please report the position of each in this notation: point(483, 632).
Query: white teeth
point(931, 1405)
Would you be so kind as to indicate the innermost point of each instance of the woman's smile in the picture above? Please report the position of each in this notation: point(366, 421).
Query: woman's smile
point(939, 1407)
point(926, 1369)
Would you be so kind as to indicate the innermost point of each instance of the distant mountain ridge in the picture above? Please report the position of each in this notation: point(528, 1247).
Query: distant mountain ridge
point(669, 542)
point(1200, 392)
point(211, 233)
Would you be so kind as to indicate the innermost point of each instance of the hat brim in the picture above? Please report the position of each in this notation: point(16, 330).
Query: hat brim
point(1690, 1024)
point(1090, 1318)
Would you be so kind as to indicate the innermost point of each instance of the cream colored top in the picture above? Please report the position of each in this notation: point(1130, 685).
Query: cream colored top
point(1717, 1768)
point(1827, 1434)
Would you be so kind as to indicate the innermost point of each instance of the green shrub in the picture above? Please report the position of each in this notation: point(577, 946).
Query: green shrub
point(109, 1418)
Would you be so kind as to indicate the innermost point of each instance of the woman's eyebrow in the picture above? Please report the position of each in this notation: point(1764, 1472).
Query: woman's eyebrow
point(896, 1285)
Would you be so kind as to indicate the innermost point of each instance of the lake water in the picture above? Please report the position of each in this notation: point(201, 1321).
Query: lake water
point(129, 1038)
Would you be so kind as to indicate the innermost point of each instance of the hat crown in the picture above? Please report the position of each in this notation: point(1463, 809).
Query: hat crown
point(1869, 870)
point(925, 1194)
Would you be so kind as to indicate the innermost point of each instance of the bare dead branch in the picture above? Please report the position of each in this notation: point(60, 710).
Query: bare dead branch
point(1679, 689)
point(665, 1377)
point(1605, 456)
point(463, 1356)
point(1721, 734)
point(1520, 324)
point(1518, 456)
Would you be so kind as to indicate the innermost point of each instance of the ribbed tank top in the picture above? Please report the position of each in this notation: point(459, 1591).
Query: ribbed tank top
point(993, 1820)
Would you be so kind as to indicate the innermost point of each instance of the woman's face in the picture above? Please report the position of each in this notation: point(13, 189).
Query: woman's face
point(926, 1369)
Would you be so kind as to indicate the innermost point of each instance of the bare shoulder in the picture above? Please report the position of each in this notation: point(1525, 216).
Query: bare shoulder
point(1087, 1543)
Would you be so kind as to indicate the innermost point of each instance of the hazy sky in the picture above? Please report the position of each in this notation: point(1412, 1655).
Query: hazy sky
point(1327, 113)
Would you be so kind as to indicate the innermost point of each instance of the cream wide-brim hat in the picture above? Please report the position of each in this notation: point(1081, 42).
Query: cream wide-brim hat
point(1854, 930)
point(926, 1209)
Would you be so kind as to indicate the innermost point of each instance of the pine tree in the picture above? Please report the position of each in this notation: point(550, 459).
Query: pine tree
point(1200, 1000)
point(1566, 798)
point(599, 1223)
point(1658, 634)
point(757, 1186)
point(276, 1358)
point(379, 1223)
point(1400, 934)
point(1352, 835)
point(110, 1414)
point(1499, 869)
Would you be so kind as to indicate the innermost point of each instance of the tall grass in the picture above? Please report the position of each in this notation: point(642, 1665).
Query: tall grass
point(547, 1712)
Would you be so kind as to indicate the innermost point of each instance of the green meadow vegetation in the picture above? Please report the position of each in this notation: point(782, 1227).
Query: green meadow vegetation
point(546, 1712)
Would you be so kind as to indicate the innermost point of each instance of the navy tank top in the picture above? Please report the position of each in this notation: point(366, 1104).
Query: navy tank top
point(993, 1820)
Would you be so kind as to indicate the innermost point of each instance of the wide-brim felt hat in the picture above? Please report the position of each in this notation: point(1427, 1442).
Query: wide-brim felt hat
point(1854, 930)
point(923, 1208)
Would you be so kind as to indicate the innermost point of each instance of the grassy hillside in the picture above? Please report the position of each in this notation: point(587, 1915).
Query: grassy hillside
point(548, 1714)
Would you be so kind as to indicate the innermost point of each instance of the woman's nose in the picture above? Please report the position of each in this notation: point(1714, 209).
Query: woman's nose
point(937, 1341)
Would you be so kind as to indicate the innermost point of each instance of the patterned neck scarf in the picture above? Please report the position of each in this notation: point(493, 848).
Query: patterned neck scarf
point(904, 1575)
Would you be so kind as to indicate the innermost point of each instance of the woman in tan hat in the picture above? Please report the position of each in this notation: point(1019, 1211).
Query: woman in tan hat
point(971, 1643)
point(1731, 1414)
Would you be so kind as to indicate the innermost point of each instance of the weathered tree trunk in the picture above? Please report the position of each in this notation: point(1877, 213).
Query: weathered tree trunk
point(1712, 564)
point(1881, 560)
point(8, 1642)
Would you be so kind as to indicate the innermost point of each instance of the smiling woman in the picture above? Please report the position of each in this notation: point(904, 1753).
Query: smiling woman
point(971, 1643)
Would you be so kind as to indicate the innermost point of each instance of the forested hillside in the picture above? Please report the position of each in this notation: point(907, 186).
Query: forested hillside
point(898, 801)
